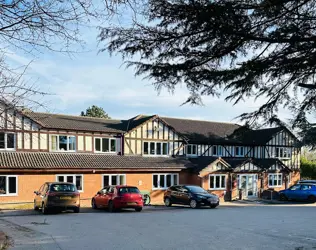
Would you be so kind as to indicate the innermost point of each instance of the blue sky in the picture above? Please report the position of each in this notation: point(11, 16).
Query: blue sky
point(92, 78)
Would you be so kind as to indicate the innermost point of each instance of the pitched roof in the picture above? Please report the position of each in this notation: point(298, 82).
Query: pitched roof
point(195, 131)
point(202, 131)
point(43, 160)
point(80, 123)
point(234, 162)
point(256, 137)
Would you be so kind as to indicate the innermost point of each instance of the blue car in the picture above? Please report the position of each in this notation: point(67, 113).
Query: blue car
point(299, 192)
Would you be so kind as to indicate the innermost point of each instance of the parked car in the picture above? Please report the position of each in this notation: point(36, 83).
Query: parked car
point(302, 191)
point(307, 181)
point(194, 196)
point(57, 196)
point(118, 197)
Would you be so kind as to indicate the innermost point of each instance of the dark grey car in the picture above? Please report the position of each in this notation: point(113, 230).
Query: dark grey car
point(194, 196)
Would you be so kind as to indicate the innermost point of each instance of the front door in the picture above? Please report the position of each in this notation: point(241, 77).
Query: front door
point(248, 184)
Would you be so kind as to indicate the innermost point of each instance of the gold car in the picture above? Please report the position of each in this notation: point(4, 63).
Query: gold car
point(57, 196)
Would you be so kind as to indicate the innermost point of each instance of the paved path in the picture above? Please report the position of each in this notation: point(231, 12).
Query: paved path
point(227, 227)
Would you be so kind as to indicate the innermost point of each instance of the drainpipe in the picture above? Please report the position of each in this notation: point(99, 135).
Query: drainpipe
point(122, 144)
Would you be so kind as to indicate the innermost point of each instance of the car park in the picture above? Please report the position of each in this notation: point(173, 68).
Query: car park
point(117, 197)
point(194, 196)
point(299, 192)
point(57, 196)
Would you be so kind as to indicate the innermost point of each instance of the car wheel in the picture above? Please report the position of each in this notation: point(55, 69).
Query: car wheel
point(77, 210)
point(138, 209)
point(283, 197)
point(312, 199)
point(94, 206)
point(168, 202)
point(193, 204)
point(44, 209)
point(111, 207)
point(35, 207)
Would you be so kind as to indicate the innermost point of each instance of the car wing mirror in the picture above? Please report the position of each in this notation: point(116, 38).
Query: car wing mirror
point(36, 192)
point(99, 193)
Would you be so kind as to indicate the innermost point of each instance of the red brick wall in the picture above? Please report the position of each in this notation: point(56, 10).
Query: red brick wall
point(92, 183)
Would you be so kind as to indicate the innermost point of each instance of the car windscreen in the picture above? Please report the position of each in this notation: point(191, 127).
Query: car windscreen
point(195, 189)
point(63, 188)
point(125, 190)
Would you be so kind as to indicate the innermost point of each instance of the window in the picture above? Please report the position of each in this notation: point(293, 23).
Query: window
point(218, 181)
point(283, 153)
point(62, 188)
point(113, 179)
point(306, 187)
point(275, 180)
point(155, 148)
point(163, 181)
point(191, 149)
point(217, 150)
point(7, 141)
point(239, 151)
point(75, 179)
point(295, 187)
point(105, 145)
point(8, 185)
point(63, 143)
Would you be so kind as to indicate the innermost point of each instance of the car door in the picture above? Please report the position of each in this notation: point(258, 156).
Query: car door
point(293, 192)
point(43, 193)
point(183, 195)
point(108, 196)
point(305, 192)
point(38, 196)
point(99, 200)
point(174, 196)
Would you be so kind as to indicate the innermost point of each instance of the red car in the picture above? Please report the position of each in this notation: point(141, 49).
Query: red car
point(117, 197)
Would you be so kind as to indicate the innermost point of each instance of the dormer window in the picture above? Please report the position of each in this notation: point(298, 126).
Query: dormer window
point(217, 150)
point(7, 141)
point(155, 148)
point(105, 145)
point(283, 153)
point(191, 149)
point(239, 151)
point(63, 143)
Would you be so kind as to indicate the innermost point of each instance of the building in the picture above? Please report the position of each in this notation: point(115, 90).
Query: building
point(150, 152)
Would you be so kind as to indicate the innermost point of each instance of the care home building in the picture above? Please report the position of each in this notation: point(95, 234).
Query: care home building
point(150, 152)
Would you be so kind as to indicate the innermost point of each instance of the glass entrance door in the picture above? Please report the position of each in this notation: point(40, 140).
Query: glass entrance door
point(248, 184)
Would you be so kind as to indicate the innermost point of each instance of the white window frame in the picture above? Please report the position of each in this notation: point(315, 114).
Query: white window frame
point(288, 152)
point(6, 142)
point(220, 181)
point(58, 150)
point(149, 153)
point(110, 179)
point(74, 179)
point(273, 174)
point(217, 149)
point(7, 185)
point(165, 180)
point(243, 151)
point(101, 152)
point(192, 146)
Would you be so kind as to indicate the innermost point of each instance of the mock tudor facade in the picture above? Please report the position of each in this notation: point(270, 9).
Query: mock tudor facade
point(150, 152)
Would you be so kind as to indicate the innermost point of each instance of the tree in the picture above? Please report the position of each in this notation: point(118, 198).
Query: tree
point(246, 48)
point(95, 111)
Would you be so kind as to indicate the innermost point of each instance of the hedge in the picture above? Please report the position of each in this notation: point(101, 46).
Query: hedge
point(308, 169)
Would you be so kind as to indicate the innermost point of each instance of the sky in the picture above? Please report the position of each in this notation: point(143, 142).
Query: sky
point(91, 78)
